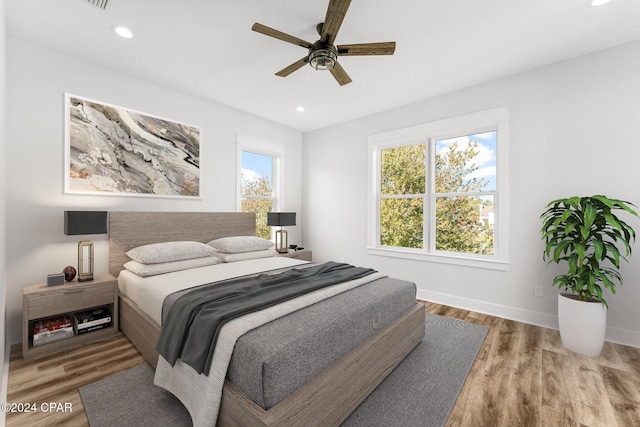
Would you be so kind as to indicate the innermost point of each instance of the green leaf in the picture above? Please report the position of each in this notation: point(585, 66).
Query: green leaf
point(580, 249)
point(604, 200)
point(590, 213)
point(613, 220)
point(600, 297)
point(573, 201)
point(620, 204)
point(571, 226)
point(598, 248)
point(573, 263)
point(616, 254)
point(562, 218)
point(584, 232)
point(607, 282)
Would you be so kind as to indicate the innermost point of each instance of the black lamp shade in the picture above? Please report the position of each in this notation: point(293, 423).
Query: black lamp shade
point(85, 222)
point(281, 218)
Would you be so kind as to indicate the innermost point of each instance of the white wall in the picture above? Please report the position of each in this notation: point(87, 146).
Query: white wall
point(37, 79)
point(573, 131)
point(3, 161)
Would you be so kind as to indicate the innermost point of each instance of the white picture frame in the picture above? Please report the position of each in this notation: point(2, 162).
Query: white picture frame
point(113, 150)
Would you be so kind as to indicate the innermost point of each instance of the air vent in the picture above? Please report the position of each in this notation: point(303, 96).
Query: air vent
point(102, 4)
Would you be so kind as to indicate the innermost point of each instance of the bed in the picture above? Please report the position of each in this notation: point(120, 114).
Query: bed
point(326, 398)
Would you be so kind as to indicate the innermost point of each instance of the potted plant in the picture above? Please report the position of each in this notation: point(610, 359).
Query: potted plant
point(585, 233)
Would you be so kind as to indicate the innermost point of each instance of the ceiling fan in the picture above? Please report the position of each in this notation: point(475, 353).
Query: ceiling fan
point(323, 55)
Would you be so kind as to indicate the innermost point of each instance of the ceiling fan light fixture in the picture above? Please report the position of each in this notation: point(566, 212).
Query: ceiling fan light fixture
point(323, 58)
point(323, 54)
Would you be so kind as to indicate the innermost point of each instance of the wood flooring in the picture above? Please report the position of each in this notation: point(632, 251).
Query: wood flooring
point(57, 379)
point(521, 377)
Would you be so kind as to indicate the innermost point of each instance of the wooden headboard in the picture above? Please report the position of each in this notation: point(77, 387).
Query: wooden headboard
point(128, 230)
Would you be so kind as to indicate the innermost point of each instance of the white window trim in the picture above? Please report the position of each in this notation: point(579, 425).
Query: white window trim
point(497, 118)
point(267, 148)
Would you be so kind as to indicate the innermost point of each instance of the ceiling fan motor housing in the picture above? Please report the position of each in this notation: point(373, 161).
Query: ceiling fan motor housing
point(322, 56)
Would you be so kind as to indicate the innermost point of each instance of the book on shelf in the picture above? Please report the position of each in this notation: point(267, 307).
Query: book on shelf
point(93, 328)
point(52, 329)
point(91, 319)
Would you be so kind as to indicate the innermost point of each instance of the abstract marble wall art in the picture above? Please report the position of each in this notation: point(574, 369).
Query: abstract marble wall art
point(114, 150)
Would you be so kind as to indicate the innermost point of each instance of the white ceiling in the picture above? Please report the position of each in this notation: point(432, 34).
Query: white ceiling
point(206, 47)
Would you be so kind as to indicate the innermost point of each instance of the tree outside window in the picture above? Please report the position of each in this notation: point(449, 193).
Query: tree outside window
point(464, 169)
point(465, 185)
point(256, 189)
point(436, 193)
point(402, 193)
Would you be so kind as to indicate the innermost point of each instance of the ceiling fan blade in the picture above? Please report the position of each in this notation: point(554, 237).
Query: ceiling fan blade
point(263, 29)
point(293, 67)
point(336, 11)
point(340, 74)
point(384, 48)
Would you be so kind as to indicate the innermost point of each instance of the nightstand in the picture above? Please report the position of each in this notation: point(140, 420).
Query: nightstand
point(304, 254)
point(42, 301)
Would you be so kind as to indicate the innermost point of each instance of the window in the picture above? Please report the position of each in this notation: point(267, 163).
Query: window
point(258, 181)
point(439, 191)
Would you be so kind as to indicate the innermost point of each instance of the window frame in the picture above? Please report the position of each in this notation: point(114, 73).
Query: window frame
point(428, 133)
point(254, 145)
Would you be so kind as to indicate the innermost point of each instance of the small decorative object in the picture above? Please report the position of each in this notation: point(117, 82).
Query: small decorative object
point(281, 219)
point(55, 279)
point(293, 247)
point(69, 273)
point(85, 222)
point(584, 232)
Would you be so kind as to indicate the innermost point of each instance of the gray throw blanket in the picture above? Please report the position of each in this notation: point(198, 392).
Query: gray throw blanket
point(192, 325)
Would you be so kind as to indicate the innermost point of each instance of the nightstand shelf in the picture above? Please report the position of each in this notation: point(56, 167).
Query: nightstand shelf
point(302, 254)
point(40, 301)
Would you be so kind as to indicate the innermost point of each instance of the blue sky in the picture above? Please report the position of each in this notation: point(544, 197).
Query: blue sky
point(486, 157)
point(256, 165)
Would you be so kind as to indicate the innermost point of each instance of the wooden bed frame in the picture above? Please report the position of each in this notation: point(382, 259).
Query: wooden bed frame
point(329, 397)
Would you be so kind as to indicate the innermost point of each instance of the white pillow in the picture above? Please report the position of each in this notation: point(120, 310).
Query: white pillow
point(169, 251)
point(242, 256)
point(237, 244)
point(146, 270)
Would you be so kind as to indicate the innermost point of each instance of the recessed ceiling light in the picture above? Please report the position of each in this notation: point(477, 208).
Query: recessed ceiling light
point(122, 31)
point(300, 109)
point(598, 2)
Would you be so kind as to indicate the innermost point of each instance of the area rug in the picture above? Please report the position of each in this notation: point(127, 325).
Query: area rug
point(420, 392)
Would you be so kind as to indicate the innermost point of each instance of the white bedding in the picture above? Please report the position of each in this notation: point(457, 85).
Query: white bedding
point(149, 292)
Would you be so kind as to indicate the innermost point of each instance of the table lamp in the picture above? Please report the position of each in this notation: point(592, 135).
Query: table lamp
point(280, 219)
point(85, 223)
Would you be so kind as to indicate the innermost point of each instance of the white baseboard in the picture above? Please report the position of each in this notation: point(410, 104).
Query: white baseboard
point(623, 336)
point(615, 335)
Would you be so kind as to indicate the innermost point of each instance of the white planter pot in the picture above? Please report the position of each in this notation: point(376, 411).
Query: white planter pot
point(582, 325)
